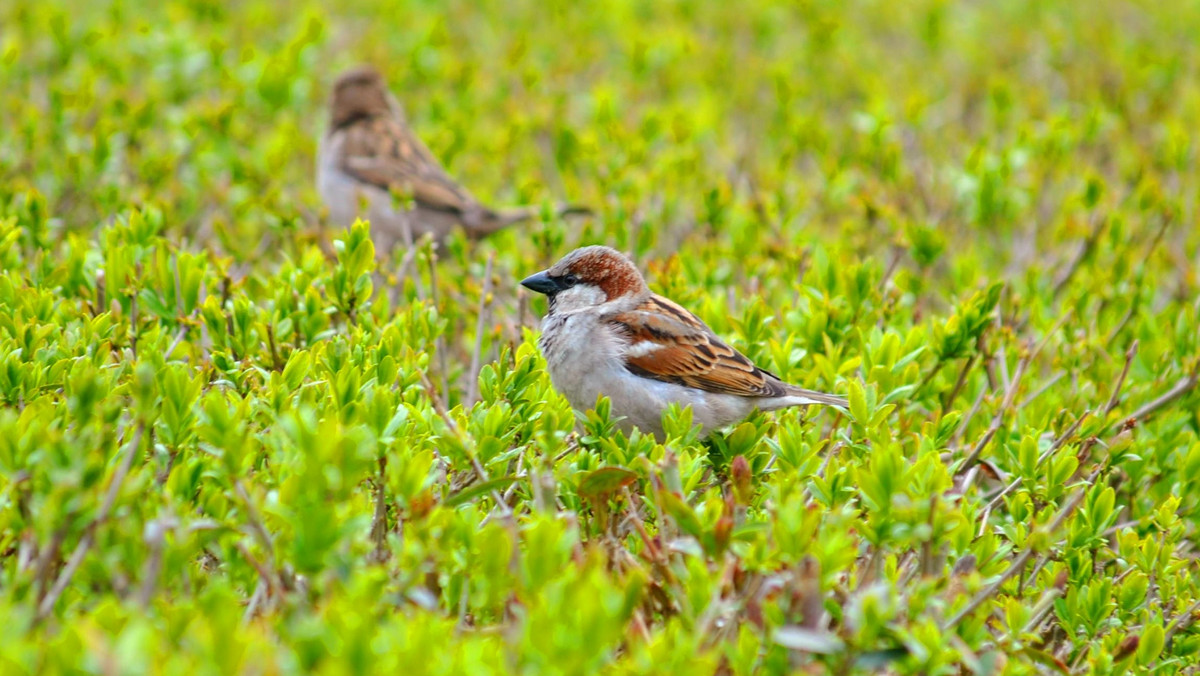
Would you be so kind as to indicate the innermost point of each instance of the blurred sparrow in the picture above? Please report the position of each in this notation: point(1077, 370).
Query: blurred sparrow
point(369, 158)
point(606, 333)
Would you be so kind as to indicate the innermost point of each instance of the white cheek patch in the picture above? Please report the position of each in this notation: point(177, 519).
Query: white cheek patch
point(579, 297)
point(642, 348)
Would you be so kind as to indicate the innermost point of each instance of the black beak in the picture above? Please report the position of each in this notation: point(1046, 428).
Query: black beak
point(542, 283)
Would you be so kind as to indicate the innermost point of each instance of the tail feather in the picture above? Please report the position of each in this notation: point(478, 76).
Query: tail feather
point(815, 397)
point(574, 210)
point(495, 220)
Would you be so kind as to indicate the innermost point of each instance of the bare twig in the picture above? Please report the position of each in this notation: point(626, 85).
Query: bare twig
point(1041, 390)
point(89, 533)
point(440, 341)
point(958, 384)
point(440, 408)
point(255, 519)
point(175, 342)
point(155, 531)
point(1062, 439)
point(1009, 393)
point(973, 456)
point(485, 306)
point(897, 254)
point(1133, 303)
point(1181, 387)
point(1116, 392)
point(379, 525)
point(962, 427)
point(929, 376)
point(1182, 621)
point(508, 492)
point(406, 261)
point(653, 551)
point(264, 572)
point(260, 590)
point(1018, 564)
point(1080, 254)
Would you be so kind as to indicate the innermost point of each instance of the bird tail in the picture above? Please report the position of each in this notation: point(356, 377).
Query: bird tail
point(565, 210)
point(561, 210)
point(496, 220)
point(815, 397)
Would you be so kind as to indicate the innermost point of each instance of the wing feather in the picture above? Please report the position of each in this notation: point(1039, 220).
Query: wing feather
point(383, 152)
point(670, 344)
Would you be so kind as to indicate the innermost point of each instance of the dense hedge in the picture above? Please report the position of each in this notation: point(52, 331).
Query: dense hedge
point(230, 444)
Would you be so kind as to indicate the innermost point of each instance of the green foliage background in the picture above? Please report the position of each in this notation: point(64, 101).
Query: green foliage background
point(978, 220)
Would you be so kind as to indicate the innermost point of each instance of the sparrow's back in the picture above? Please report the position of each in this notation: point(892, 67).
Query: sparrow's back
point(370, 153)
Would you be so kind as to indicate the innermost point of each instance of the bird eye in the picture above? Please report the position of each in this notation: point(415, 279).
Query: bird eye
point(569, 281)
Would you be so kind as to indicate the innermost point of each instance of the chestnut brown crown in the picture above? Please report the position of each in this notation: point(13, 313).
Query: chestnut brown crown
point(359, 93)
point(598, 266)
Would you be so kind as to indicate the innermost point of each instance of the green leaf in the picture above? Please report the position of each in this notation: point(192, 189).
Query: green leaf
point(1150, 644)
point(858, 403)
point(808, 640)
point(684, 516)
point(471, 492)
point(605, 481)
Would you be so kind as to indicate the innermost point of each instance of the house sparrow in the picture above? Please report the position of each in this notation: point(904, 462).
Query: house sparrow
point(369, 155)
point(606, 333)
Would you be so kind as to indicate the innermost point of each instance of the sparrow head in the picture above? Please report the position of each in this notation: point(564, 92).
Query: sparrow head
point(587, 277)
point(358, 93)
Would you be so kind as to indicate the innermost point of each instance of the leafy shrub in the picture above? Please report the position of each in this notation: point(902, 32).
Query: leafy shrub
point(229, 442)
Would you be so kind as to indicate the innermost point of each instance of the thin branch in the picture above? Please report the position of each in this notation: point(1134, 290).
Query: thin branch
point(47, 560)
point(929, 376)
point(1018, 564)
point(1181, 387)
point(263, 571)
point(260, 589)
point(255, 519)
point(997, 419)
point(485, 306)
point(1133, 303)
point(1041, 390)
point(155, 531)
point(1116, 392)
point(1181, 622)
point(1080, 254)
point(962, 426)
point(440, 409)
point(406, 261)
point(1062, 439)
point(1022, 365)
point(175, 341)
point(439, 346)
point(520, 473)
point(958, 384)
point(89, 534)
point(379, 526)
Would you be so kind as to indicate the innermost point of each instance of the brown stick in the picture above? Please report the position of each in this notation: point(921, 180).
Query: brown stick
point(1181, 622)
point(1181, 387)
point(1023, 558)
point(485, 305)
point(1081, 253)
point(440, 409)
point(1116, 393)
point(89, 534)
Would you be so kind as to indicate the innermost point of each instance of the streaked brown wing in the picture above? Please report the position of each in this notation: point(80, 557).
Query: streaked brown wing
point(670, 344)
point(383, 152)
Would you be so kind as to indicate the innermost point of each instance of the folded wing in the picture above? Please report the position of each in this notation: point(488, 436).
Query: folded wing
point(383, 152)
point(670, 344)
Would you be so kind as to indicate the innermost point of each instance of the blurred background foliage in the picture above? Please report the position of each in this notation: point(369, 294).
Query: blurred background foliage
point(978, 220)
